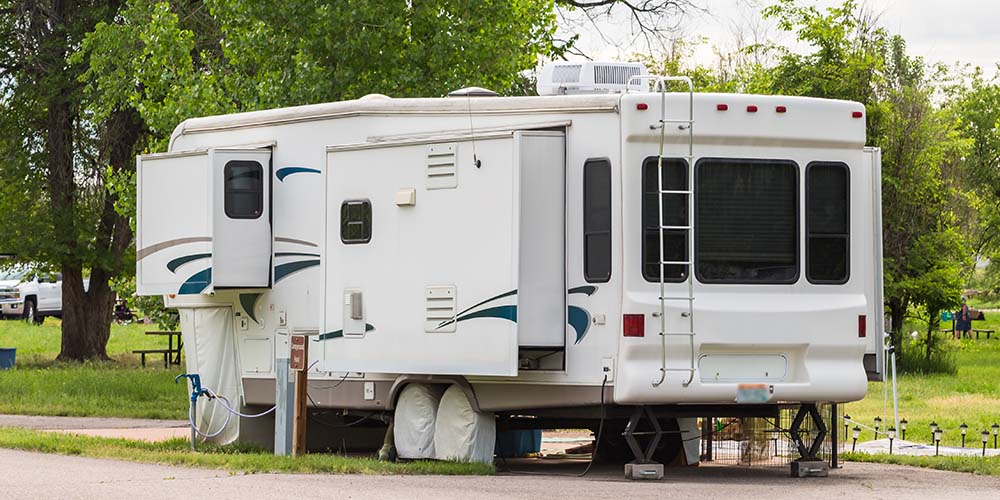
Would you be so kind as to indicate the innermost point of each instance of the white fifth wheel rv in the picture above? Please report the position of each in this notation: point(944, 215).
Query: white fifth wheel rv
point(605, 249)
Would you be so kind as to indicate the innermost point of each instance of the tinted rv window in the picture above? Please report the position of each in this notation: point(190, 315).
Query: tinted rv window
point(746, 221)
point(597, 220)
point(675, 213)
point(827, 223)
point(356, 221)
point(244, 189)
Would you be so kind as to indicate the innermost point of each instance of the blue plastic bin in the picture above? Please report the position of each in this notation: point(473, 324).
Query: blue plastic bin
point(8, 355)
point(513, 444)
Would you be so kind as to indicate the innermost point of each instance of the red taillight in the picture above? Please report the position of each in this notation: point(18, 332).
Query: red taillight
point(780, 109)
point(751, 109)
point(862, 326)
point(721, 107)
point(857, 114)
point(642, 106)
point(633, 325)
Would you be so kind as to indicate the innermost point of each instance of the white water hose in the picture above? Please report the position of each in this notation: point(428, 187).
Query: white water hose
point(197, 391)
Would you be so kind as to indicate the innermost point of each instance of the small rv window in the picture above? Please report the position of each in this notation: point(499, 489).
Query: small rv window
point(675, 213)
point(597, 220)
point(827, 223)
point(244, 189)
point(746, 221)
point(356, 221)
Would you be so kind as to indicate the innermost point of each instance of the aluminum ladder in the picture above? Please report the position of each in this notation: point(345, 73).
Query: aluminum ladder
point(660, 83)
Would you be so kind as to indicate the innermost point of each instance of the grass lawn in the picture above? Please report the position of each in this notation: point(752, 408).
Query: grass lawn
point(971, 396)
point(232, 458)
point(40, 386)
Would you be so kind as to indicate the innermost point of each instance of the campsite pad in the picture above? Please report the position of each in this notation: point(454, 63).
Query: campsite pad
point(125, 428)
point(973, 448)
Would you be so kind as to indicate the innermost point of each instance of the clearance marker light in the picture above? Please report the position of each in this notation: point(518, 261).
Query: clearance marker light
point(722, 107)
point(634, 325)
point(862, 326)
point(780, 109)
point(642, 106)
point(857, 114)
point(751, 109)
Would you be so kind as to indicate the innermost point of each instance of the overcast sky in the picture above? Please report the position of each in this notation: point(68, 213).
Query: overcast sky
point(946, 31)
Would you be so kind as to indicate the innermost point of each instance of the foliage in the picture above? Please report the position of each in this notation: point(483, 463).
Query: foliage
point(918, 356)
point(976, 465)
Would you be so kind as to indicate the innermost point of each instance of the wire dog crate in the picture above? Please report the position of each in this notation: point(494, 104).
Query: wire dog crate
point(765, 441)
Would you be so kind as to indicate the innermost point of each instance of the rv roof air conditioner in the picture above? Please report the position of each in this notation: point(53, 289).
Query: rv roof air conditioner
point(565, 78)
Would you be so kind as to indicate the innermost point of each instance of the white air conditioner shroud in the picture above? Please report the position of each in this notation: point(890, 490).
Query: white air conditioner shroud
point(590, 77)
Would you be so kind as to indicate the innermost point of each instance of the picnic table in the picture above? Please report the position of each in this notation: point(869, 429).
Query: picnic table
point(171, 355)
point(974, 315)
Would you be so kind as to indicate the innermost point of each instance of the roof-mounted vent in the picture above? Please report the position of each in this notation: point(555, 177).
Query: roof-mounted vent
point(472, 92)
point(562, 78)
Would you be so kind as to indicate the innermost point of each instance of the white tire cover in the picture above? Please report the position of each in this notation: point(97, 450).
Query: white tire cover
point(462, 434)
point(691, 438)
point(414, 419)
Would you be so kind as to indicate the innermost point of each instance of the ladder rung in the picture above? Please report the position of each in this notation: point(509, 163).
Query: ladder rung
point(677, 121)
point(673, 191)
point(675, 263)
point(690, 370)
point(676, 298)
point(678, 334)
point(682, 228)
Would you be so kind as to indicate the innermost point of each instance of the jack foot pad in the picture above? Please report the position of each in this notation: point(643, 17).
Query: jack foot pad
point(644, 471)
point(810, 468)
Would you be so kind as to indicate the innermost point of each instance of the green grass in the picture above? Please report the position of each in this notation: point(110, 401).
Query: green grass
point(41, 386)
point(989, 466)
point(231, 458)
point(971, 396)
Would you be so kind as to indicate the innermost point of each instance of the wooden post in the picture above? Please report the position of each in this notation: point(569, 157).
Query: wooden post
point(299, 360)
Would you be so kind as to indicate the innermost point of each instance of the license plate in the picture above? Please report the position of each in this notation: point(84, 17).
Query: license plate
point(753, 393)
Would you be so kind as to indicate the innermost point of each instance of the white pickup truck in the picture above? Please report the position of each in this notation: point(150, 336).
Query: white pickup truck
point(30, 295)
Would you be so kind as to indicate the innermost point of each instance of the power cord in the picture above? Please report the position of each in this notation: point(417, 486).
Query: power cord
point(593, 455)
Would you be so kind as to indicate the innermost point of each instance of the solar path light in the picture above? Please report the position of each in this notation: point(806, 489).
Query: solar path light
point(878, 423)
point(934, 428)
point(964, 428)
point(892, 435)
point(847, 418)
point(937, 440)
point(902, 428)
point(996, 430)
point(986, 437)
point(856, 434)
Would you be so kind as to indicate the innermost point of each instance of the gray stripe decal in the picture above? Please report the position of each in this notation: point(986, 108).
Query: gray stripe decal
point(151, 249)
point(291, 240)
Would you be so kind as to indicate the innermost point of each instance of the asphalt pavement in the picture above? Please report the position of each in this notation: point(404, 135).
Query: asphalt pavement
point(28, 475)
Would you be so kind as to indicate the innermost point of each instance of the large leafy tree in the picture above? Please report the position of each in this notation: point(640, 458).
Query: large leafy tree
point(55, 209)
point(88, 84)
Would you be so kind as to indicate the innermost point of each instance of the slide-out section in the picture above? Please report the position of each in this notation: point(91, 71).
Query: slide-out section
point(440, 265)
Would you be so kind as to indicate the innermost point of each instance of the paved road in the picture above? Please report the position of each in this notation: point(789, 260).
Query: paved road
point(50, 423)
point(41, 476)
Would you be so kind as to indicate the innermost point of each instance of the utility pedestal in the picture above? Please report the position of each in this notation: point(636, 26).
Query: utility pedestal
point(284, 398)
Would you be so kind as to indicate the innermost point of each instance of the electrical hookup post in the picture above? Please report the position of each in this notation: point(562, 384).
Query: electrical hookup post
point(290, 396)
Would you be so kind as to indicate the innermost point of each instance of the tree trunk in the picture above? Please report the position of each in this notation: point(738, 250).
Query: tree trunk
point(86, 317)
point(897, 311)
point(933, 323)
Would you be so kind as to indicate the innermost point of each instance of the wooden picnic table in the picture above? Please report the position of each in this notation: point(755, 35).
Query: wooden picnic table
point(171, 355)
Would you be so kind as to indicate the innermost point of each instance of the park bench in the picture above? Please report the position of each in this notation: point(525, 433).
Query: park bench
point(171, 355)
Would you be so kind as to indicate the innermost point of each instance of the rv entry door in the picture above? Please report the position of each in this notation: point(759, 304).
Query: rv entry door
point(241, 217)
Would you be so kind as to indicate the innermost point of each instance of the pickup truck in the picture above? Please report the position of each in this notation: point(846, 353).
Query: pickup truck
point(30, 295)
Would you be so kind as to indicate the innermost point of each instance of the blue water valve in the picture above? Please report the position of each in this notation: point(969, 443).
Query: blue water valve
point(196, 389)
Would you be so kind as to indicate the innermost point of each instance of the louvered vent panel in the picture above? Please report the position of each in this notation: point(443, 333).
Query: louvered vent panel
point(442, 172)
point(618, 75)
point(440, 312)
point(566, 74)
